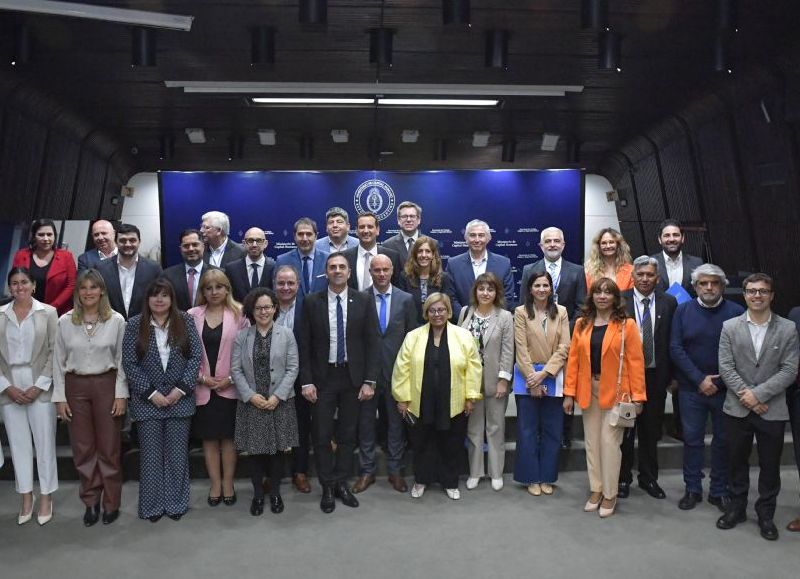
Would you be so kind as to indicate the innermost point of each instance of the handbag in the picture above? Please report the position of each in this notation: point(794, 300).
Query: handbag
point(623, 413)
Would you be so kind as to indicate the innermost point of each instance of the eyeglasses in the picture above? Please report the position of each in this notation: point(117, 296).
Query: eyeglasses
point(437, 311)
point(263, 308)
point(407, 217)
point(758, 291)
point(251, 241)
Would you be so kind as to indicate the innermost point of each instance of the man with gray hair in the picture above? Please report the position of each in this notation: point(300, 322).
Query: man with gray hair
point(467, 266)
point(337, 224)
point(220, 250)
point(652, 309)
point(694, 348)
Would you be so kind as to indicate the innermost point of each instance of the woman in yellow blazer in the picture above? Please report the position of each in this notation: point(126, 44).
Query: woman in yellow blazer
point(591, 380)
point(436, 380)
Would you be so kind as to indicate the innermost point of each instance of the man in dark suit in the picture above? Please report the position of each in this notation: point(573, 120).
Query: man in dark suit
point(409, 216)
point(255, 269)
point(359, 258)
point(128, 274)
point(653, 312)
point(185, 276)
point(339, 362)
point(464, 268)
point(569, 289)
point(674, 266)
point(793, 402)
point(396, 317)
point(220, 250)
point(104, 245)
point(305, 258)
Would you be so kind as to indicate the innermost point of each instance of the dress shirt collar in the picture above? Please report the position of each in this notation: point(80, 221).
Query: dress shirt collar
point(332, 295)
point(387, 293)
point(104, 256)
point(259, 263)
point(640, 296)
point(411, 237)
point(8, 309)
point(483, 259)
point(749, 321)
point(714, 305)
point(197, 268)
point(676, 261)
point(362, 251)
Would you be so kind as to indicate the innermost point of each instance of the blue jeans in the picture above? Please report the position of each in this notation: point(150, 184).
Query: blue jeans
point(695, 409)
point(539, 425)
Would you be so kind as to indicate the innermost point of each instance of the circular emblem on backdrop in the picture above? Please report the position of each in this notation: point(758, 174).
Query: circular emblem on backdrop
point(376, 196)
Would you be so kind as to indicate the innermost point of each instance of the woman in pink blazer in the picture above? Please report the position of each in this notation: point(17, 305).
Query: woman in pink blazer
point(218, 319)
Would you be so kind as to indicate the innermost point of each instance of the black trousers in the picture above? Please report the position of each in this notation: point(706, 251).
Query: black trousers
point(649, 426)
point(262, 465)
point(769, 440)
point(302, 408)
point(336, 398)
point(793, 402)
point(438, 454)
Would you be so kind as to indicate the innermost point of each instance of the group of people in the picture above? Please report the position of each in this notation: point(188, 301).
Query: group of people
point(343, 341)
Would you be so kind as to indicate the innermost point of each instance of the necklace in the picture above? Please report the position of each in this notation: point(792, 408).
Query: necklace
point(91, 325)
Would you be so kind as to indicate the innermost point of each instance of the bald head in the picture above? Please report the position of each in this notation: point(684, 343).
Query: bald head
point(381, 270)
point(255, 242)
point(103, 236)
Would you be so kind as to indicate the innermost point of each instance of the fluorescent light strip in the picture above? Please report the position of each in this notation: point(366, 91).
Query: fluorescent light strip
point(311, 101)
point(105, 13)
point(438, 102)
point(397, 102)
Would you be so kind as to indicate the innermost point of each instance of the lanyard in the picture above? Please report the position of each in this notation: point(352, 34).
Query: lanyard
point(639, 314)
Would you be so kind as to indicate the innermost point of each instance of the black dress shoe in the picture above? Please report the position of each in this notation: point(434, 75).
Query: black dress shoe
point(276, 504)
point(730, 519)
point(652, 489)
point(257, 507)
point(229, 501)
point(154, 518)
point(175, 516)
point(91, 515)
point(343, 493)
point(327, 503)
point(109, 518)
point(213, 501)
point(768, 529)
point(624, 490)
point(689, 501)
point(721, 502)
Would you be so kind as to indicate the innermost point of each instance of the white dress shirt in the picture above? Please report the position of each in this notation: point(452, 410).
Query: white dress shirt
point(638, 307)
point(286, 317)
point(674, 268)
point(388, 298)
point(215, 257)
point(127, 276)
point(555, 273)
point(757, 333)
point(479, 265)
point(332, 322)
point(162, 341)
point(362, 268)
point(20, 337)
point(259, 267)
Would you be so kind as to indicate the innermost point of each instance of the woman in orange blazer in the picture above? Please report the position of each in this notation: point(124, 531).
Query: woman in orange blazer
point(51, 268)
point(218, 319)
point(591, 380)
point(609, 256)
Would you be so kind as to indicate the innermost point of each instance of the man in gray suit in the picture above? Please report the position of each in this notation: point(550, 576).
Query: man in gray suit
point(396, 317)
point(758, 358)
point(409, 216)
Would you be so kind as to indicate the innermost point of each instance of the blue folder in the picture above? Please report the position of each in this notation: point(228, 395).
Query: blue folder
point(554, 384)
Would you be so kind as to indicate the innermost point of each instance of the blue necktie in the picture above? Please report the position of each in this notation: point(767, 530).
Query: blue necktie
point(383, 317)
point(647, 332)
point(306, 275)
point(339, 331)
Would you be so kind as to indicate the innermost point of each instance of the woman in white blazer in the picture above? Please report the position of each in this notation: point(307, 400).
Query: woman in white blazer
point(27, 336)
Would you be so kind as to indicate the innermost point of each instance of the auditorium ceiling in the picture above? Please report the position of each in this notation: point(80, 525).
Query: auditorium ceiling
point(666, 62)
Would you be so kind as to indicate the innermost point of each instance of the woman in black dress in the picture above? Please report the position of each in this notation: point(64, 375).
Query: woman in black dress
point(264, 368)
point(218, 318)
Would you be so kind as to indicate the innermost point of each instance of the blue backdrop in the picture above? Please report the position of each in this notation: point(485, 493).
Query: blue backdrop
point(516, 205)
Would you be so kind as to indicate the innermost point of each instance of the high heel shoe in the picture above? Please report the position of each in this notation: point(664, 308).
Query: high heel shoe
point(24, 518)
point(606, 512)
point(44, 519)
point(229, 501)
point(593, 503)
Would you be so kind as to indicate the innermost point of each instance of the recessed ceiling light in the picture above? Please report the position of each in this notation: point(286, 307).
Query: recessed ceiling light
point(311, 101)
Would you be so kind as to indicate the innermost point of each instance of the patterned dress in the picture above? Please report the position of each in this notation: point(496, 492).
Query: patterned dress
point(265, 431)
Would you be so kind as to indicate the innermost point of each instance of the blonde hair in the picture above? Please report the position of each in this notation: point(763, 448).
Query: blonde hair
point(94, 277)
point(594, 264)
point(435, 298)
point(218, 276)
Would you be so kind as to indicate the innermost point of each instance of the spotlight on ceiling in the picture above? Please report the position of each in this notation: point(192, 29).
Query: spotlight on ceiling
point(440, 150)
point(196, 136)
point(480, 138)
point(266, 137)
point(409, 136)
point(306, 147)
point(509, 150)
point(262, 45)
point(549, 142)
point(496, 55)
point(594, 14)
point(144, 47)
point(166, 147)
point(610, 50)
point(313, 11)
point(455, 12)
point(380, 45)
point(340, 135)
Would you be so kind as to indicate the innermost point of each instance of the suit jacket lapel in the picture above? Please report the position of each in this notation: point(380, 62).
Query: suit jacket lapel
point(744, 330)
point(3, 340)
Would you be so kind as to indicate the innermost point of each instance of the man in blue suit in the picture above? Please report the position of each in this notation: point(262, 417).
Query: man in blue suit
point(104, 245)
point(464, 268)
point(306, 259)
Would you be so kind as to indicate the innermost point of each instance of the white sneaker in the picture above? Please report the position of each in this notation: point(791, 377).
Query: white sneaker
point(454, 494)
point(472, 482)
point(497, 484)
point(417, 491)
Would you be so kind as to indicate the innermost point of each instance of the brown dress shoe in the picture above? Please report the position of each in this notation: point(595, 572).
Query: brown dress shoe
point(398, 483)
point(794, 526)
point(300, 482)
point(363, 483)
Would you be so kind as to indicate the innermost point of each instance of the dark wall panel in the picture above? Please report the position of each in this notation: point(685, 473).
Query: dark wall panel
point(19, 175)
point(679, 180)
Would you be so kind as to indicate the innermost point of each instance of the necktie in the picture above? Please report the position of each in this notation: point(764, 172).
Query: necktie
point(647, 333)
point(254, 276)
point(410, 244)
point(383, 315)
point(190, 283)
point(339, 331)
point(366, 278)
point(306, 272)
